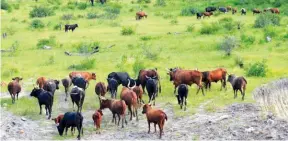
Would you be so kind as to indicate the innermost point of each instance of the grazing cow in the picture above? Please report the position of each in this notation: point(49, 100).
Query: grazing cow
point(199, 15)
point(229, 8)
point(189, 77)
point(207, 14)
point(86, 75)
point(41, 81)
point(155, 116)
point(256, 11)
point(182, 95)
point(117, 107)
point(142, 77)
point(97, 118)
point(51, 86)
point(238, 83)
point(151, 86)
point(122, 78)
point(80, 82)
point(210, 9)
point(100, 89)
point(66, 82)
point(44, 98)
point(243, 11)
point(112, 87)
point(140, 15)
point(130, 98)
point(215, 76)
point(234, 10)
point(71, 119)
point(14, 88)
point(274, 10)
point(139, 92)
point(222, 9)
point(77, 95)
point(70, 27)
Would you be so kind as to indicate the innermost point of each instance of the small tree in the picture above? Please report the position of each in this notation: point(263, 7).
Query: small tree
point(228, 44)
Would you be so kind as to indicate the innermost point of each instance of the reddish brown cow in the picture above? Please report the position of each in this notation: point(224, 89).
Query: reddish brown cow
point(14, 88)
point(130, 98)
point(256, 11)
point(179, 76)
point(275, 10)
point(140, 15)
point(234, 10)
point(86, 75)
point(58, 119)
point(229, 8)
point(100, 89)
point(155, 116)
point(117, 107)
point(97, 118)
point(41, 81)
point(142, 77)
point(207, 14)
point(139, 92)
point(215, 76)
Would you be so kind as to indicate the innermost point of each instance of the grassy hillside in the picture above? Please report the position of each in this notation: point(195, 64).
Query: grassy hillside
point(149, 47)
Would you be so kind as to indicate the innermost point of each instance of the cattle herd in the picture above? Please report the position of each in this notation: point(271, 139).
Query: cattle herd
point(130, 96)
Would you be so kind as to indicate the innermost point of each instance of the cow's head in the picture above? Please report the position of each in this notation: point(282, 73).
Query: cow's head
point(60, 130)
point(231, 77)
point(146, 107)
point(171, 72)
point(76, 25)
point(93, 76)
point(35, 92)
point(57, 82)
point(104, 103)
point(18, 79)
point(100, 111)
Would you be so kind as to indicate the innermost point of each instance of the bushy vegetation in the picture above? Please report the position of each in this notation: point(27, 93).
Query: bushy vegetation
point(137, 66)
point(41, 12)
point(50, 61)
point(37, 24)
point(257, 69)
point(10, 30)
point(91, 16)
point(67, 16)
point(239, 62)
point(264, 20)
point(127, 30)
point(227, 23)
point(143, 1)
point(82, 5)
point(151, 53)
point(85, 64)
point(85, 47)
point(210, 28)
point(5, 5)
point(160, 3)
point(146, 38)
point(51, 41)
point(174, 22)
point(228, 44)
point(190, 28)
point(57, 26)
point(270, 31)
point(247, 39)
point(188, 11)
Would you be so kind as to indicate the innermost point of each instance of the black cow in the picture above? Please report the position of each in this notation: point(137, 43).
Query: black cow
point(77, 95)
point(243, 11)
point(92, 2)
point(70, 27)
point(44, 98)
point(210, 9)
point(80, 82)
point(51, 86)
point(238, 83)
point(112, 87)
point(199, 15)
point(182, 95)
point(66, 82)
point(205, 80)
point(152, 87)
point(102, 1)
point(222, 9)
point(71, 119)
point(122, 78)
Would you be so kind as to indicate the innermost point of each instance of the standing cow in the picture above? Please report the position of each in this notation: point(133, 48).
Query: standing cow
point(70, 27)
point(100, 90)
point(14, 88)
point(238, 83)
point(122, 78)
point(51, 86)
point(112, 87)
point(243, 11)
point(140, 15)
point(210, 9)
point(86, 75)
point(151, 86)
point(66, 82)
point(142, 77)
point(41, 81)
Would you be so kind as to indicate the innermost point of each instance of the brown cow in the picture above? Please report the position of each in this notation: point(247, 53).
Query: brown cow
point(179, 76)
point(207, 14)
point(215, 76)
point(229, 8)
point(97, 118)
point(234, 10)
point(130, 98)
point(86, 75)
point(14, 88)
point(256, 11)
point(238, 83)
point(116, 107)
point(100, 90)
point(139, 92)
point(41, 81)
point(155, 116)
point(274, 10)
point(140, 15)
point(142, 77)
point(58, 119)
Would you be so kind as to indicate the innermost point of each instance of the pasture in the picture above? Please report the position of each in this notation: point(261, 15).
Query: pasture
point(165, 39)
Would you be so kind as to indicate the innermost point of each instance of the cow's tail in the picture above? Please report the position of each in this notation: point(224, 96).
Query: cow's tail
point(158, 81)
point(102, 88)
point(124, 107)
point(166, 117)
point(245, 80)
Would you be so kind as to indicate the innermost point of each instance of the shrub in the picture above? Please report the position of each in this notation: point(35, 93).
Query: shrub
point(190, 28)
point(210, 29)
point(5, 5)
point(41, 12)
point(122, 62)
point(71, 5)
point(37, 24)
point(174, 22)
point(188, 11)
point(146, 38)
point(85, 47)
point(137, 66)
point(16, 6)
point(228, 44)
point(127, 30)
point(91, 16)
point(239, 62)
point(227, 23)
point(285, 36)
point(10, 30)
point(82, 6)
point(258, 69)
point(143, 1)
point(160, 3)
point(85, 64)
point(277, 3)
point(270, 31)
point(57, 26)
point(151, 53)
point(247, 39)
point(51, 41)
point(67, 17)
point(50, 61)
point(267, 19)
point(167, 16)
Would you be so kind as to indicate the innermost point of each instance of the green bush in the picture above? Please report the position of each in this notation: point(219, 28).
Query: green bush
point(137, 66)
point(85, 64)
point(10, 30)
point(174, 22)
point(239, 62)
point(285, 36)
point(258, 69)
point(127, 30)
point(16, 6)
point(167, 16)
point(150, 52)
point(228, 44)
point(51, 41)
point(67, 17)
point(41, 12)
point(57, 26)
point(146, 38)
point(71, 5)
point(5, 5)
point(91, 16)
point(267, 19)
point(188, 11)
point(277, 3)
point(190, 28)
point(113, 9)
point(50, 61)
point(210, 29)
point(160, 3)
point(37, 24)
point(270, 31)
point(143, 1)
point(85, 47)
point(82, 5)
point(247, 39)
point(227, 23)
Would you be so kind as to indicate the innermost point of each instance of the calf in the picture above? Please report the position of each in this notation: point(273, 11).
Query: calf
point(112, 87)
point(199, 15)
point(243, 11)
point(70, 27)
point(234, 10)
point(51, 86)
point(207, 14)
point(117, 107)
point(66, 82)
point(71, 119)
point(58, 119)
point(238, 83)
point(130, 98)
point(41, 81)
point(182, 95)
point(140, 15)
point(222, 9)
point(229, 8)
point(77, 96)
point(44, 98)
point(139, 92)
point(155, 116)
point(97, 118)
point(80, 82)
point(151, 87)
point(256, 11)
point(86, 75)
point(14, 88)
point(141, 80)
point(274, 10)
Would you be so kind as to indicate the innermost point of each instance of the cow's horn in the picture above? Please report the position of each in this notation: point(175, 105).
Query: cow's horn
point(128, 86)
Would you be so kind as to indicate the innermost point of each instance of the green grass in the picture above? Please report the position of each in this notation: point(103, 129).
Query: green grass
point(189, 51)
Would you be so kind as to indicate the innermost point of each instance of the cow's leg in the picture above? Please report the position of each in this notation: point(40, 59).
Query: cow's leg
point(113, 118)
point(130, 110)
point(73, 105)
point(118, 119)
point(123, 119)
point(79, 129)
point(143, 86)
point(155, 127)
point(136, 112)
point(160, 128)
point(175, 87)
point(181, 102)
point(17, 95)
point(221, 84)
point(242, 93)
point(185, 103)
point(148, 127)
point(12, 98)
point(66, 129)
point(50, 111)
point(202, 90)
point(40, 109)
point(46, 109)
point(209, 85)
point(66, 92)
